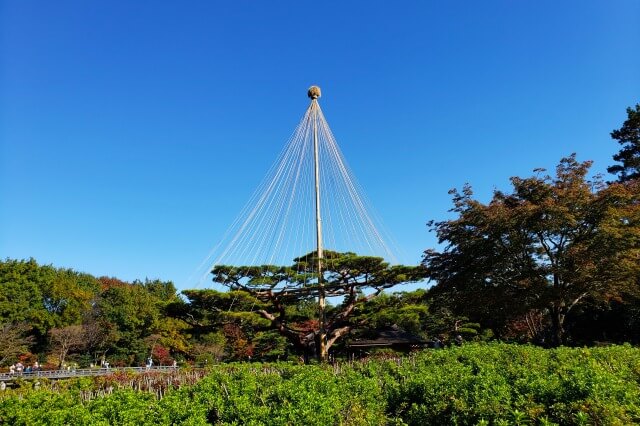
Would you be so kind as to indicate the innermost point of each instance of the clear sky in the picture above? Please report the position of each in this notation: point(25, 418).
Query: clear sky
point(132, 133)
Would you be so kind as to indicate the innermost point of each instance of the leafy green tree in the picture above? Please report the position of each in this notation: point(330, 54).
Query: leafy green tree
point(163, 291)
point(14, 341)
point(209, 348)
point(408, 311)
point(21, 298)
point(551, 244)
point(228, 325)
point(446, 325)
point(346, 276)
point(269, 345)
point(231, 317)
point(134, 312)
point(629, 155)
point(208, 310)
point(113, 316)
point(172, 333)
point(100, 335)
point(44, 296)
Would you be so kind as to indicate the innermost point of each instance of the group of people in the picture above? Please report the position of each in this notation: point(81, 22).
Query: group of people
point(19, 368)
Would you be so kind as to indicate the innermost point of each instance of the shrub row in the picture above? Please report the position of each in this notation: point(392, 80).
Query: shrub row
point(470, 385)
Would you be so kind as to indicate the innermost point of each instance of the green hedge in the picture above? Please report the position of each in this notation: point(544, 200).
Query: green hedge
point(473, 384)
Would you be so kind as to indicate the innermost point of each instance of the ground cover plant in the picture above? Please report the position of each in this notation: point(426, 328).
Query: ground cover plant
point(475, 384)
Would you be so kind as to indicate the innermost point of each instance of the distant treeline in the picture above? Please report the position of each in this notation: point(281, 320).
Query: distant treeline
point(554, 261)
point(61, 317)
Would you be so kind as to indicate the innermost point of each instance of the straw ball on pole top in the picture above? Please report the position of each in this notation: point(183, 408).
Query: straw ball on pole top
point(314, 92)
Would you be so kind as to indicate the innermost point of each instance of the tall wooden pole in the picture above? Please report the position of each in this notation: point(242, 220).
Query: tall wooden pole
point(314, 94)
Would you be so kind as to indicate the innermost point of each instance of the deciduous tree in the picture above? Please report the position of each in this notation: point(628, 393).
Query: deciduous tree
point(65, 340)
point(14, 341)
point(550, 244)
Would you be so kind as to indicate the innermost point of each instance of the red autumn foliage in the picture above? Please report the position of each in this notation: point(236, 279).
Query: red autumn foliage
point(162, 355)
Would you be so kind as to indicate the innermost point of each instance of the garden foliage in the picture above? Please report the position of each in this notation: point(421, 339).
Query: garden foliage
point(473, 384)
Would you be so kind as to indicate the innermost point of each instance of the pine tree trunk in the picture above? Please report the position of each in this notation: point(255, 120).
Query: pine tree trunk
point(322, 354)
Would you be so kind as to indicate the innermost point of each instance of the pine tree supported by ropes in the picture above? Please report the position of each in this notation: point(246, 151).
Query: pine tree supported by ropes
point(309, 200)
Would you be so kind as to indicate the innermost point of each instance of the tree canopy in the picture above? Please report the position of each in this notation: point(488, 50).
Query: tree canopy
point(351, 279)
point(61, 312)
point(550, 244)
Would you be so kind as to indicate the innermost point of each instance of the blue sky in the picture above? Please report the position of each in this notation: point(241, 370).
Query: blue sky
point(132, 133)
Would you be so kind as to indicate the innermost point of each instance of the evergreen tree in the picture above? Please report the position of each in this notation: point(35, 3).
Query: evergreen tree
point(629, 155)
